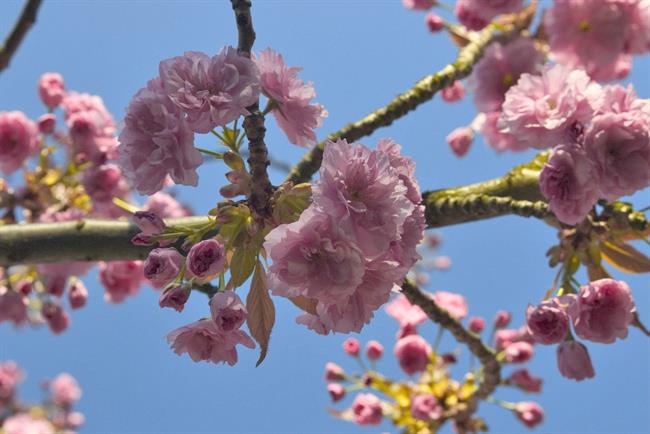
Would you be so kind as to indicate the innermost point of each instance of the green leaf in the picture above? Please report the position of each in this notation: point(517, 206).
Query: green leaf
point(625, 257)
point(242, 265)
point(261, 311)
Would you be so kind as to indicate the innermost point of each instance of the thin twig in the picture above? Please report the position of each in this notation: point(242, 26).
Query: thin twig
point(25, 22)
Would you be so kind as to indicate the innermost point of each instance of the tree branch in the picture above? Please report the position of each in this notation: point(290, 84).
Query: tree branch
point(491, 366)
point(25, 22)
point(261, 188)
point(408, 101)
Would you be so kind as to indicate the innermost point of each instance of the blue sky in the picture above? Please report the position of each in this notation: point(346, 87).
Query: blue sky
point(359, 54)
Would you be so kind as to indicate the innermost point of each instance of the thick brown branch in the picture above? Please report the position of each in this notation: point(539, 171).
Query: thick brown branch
point(491, 367)
point(25, 22)
point(258, 161)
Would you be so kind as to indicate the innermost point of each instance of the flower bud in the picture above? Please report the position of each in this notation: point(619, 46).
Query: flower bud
point(56, 318)
point(233, 160)
point(162, 266)
point(525, 381)
point(351, 346)
point(460, 140)
point(77, 294)
point(227, 310)
point(51, 89)
point(453, 93)
point(334, 372)
point(573, 361)
point(149, 222)
point(366, 409)
point(425, 407)
point(175, 297)
point(476, 324)
point(46, 123)
point(412, 352)
point(529, 413)
point(502, 319)
point(518, 352)
point(336, 391)
point(374, 350)
point(434, 22)
point(206, 260)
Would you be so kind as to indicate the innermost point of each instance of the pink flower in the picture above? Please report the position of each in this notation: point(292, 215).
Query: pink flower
point(603, 311)
point(206, 260)
point(77, 294)
point(406, 329)
point(164, 205)
point(202, 340)
point(65, 390)
point(460, 140)
point(404, 312)
point(228, 311)
point(548, 322)
point(500, 68)
point(619, 145)
point(366, 408)
point(585, 37)
point(149, 222)
point(156, 141)
point(523, 379)
point(57, 319)
point(175, 297)
point(46, 123)
point(454, 92)
point(505, 337)
point(374, 350)
point(334, 372)
point(212, 91)
point(351, 347)
point(418, 5)
point(425, 407)
point(637, 31)
point(476, 14)
point(529, 413)
point(51, 89)
point(10, 376)
point(404, 166)
point(162, 266)
point(313, 258)
point(551, 109)
point(434, 23)
point(569, 181)
point(120, 279)
point(294, 113)
point(23, 423)
point(476, 324)
point(18, 139)
point(412, 352)
point(336, 391)
point(573, 361)
point(13, 306)
point(454, 304)
point(518, 352)
point(104, 182)
point(502, 319)
point(499, 140)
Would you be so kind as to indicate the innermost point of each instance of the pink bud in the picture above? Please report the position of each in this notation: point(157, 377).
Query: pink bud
point(334, 372)
point(449, 358)
point(366, 409)
point(51, 89)
point(529, 413)
point(374, 350)
point(412, 352)
point(573, 361)
point(406, 329)
point(65, 390)
point(351, 346)
point(453, 93)
point(149, 222)
point(460, 140)
point(518, 352)
point(434, 22)
point(162, 266)
point(442, 262)
point(206, 260)
point(336, 391)
point(476, 324)
point(46, 123)
point(75, 419)
point(174, 297)
point(433, 240)
point(548, 322)
point(55, 285)
point(57, 319)
point(228, 311)
point(502, 319)
point(525, 381)
point(77, 294)
point(24, 287)
point(425, 407)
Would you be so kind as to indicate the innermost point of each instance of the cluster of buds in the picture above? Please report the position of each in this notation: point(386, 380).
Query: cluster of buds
point(56, 414)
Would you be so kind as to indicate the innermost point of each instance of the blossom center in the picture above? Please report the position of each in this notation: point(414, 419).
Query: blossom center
point(584, 26)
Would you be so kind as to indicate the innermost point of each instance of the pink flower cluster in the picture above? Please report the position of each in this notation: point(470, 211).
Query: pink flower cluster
point(18, 140)
point(601, 40)
point(601, 312)
point(355, 241)
point(476, 14)
point(600, 137)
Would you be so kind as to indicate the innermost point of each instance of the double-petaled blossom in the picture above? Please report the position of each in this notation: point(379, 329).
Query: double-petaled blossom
point(599, 39)
point(103, 182)
point(211, 91)
point(454, 304)
point(518, 352)
point(500, 68)
point(548, 322)
point(570, 182)
point(206, 260)
point(18, 140)
point(551, 109)
point(65, 390)
point(24, 423)
point(175, 297)
point(156, 142)
point(51, 89)
point(291, 98)
point(366, 409)
point(120, 279)
point(46, 123)
point(476, 14)
point(228, 311)
point(412, 353)
point(529, 413)
point(573, 361)
point(603, 310)
point(10, 376)
point(162, 266)
point(202, 340)
point(404, 312)
point(498, 139)
point(425, 407)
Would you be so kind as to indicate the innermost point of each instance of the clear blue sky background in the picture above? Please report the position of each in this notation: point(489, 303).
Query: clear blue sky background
point(360, 54)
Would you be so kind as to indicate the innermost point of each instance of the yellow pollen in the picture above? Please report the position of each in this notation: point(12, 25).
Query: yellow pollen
point(508, 79)
point(584, 26)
